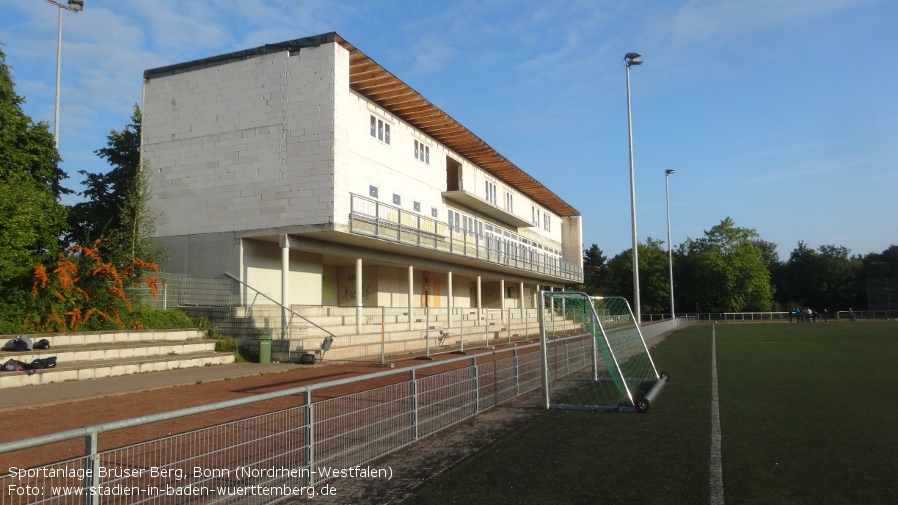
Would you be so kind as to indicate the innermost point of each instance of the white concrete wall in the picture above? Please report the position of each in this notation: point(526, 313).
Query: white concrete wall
point(244, 145)
point(262, 271)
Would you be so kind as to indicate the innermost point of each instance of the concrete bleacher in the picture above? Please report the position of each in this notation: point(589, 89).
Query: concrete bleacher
point(360, 334)
point(81, 356)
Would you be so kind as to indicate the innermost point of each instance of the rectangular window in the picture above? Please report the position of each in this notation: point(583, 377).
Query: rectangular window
point(547, 225)
point(380, 130)
point(491, 192)
point(535, 216)
point(509, 202)
point(454, 220)
point(422, 152)
point(416, 206)
point(433, 212)
point(372, 191)
point(397, 200)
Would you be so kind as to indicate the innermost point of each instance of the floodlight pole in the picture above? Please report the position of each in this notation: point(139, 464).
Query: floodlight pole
point(633, 59)
point(673, 314)
point(74, 6)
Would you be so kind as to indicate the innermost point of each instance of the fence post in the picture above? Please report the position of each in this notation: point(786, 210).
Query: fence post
point(567, 358)
point(413, 403)
point(310, 437)
point(383, 320)
point(595, 359)
point(476, 385)
point(508, 326)
point(543, 351)
point(91, 477)
point(461, 331)
point(427, 331)
point(517, 372)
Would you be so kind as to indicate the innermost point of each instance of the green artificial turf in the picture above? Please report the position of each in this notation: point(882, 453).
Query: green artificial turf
point(808, 415)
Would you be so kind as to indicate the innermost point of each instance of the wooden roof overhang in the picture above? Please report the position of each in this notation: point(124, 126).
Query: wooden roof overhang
point(375, 83)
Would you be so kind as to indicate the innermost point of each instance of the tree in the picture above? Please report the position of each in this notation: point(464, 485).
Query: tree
point(825, 279)
point(727, 271)
point(878, 279)
point(654, 279)
point(32, 218)
point(595, 271)
point(116, 207)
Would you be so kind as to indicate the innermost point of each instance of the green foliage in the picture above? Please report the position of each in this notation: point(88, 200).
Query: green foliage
point(823, 279)
point(727, 269)
point(228, 344)
point(595, 272)
point(32, 219)
point(654, 276)
point(161, 319)
point(26, 148)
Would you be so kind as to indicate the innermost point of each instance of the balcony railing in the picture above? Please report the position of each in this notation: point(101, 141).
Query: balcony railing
point(388, 222)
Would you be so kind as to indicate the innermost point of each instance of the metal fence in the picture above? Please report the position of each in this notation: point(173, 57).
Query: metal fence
point(285, 453)
point(840, 315)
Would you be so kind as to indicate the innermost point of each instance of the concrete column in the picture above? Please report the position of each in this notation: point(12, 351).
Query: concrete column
point(479, 295)
point(285, 284)
point(411, 294)
point(358, 295)
point(502, 300)
point(449, 304)
point(242, 274)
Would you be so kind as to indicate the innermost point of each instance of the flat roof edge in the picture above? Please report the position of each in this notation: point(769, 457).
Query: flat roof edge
point(287, 45)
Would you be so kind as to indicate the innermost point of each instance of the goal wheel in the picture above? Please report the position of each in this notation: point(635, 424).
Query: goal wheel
point(665, 376)
point(642, 405)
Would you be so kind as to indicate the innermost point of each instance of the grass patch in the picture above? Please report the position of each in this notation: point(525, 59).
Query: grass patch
point(807, 415)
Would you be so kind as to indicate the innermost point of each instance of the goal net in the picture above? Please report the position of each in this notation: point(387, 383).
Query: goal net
point(618, 374)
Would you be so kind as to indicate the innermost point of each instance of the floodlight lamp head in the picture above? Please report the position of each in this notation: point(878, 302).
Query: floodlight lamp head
point(632, 59)
point(76, 5)
point(669, 171)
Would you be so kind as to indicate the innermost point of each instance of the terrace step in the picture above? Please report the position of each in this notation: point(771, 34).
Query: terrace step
point(94, 355)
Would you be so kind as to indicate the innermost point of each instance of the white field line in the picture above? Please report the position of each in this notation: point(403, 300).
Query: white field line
point(716, 466)
point(807, 342)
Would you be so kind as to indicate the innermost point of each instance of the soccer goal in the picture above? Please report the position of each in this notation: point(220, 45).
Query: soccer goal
point(618, 374)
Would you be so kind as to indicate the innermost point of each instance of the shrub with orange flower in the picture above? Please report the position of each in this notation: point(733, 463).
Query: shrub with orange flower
point(82, 291)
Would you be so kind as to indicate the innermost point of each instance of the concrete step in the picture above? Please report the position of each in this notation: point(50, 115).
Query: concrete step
point(112, 350)
point(83, 370)
point(90, 338)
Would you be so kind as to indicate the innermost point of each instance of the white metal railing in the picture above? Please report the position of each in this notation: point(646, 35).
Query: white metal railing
point(371, 217)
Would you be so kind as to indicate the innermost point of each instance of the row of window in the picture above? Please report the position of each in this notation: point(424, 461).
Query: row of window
point(460, 222)
point(374, 192)
point(503, 241)
point(380, 131)
point(490, 196)
point(534, 216)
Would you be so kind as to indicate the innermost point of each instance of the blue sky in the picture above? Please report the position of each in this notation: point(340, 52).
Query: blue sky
point(781, 114)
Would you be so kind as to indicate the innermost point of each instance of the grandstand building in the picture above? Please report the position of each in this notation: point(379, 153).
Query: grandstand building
point(316, 177)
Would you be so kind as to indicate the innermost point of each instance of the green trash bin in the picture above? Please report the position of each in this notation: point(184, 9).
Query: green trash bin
point(264, 348)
